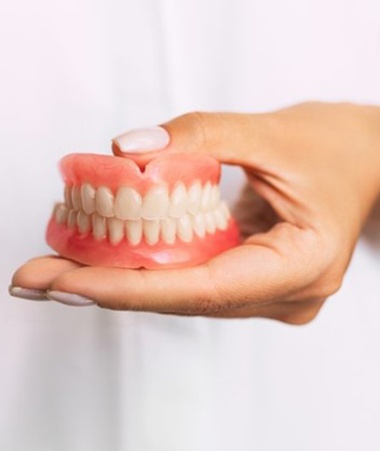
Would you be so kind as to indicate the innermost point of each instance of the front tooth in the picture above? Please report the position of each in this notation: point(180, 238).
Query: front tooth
point(68, 197)
point(215, 196)
point(221, 221)
point(194, 198)
point(152, 231)
point(76, 198)
point(168, 230)
point(99, 226)
point(199, 225)
point(206, 197)
point(178, 201)
point(83, 222)
point(156, 203)
point(72, 219)
point(185, 230)
point(88, 193)
point(61, 213)
point(210, 222)
point(134, 231)
point(115, 230)
point(104, 202)
point(128, 203)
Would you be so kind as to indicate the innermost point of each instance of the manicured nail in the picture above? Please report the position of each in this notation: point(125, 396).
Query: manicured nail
point(142, 140)
point(27, 293)
point(70, 299)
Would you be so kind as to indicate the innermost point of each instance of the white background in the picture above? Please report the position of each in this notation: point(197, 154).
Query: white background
point(74, 74)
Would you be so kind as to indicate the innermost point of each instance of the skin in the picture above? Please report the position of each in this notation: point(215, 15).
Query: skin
point(315, 169)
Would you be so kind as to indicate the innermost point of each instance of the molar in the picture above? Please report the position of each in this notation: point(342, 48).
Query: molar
point(206, 197)
point(151, 231)
point(156, 203)
point(99, 226)
point(223, 207)
point(199, 225)
point(115, 230)
point(215, 197)
point(210, 222)
point(185, 230)
point(134, 230)
point(194, 198)
point(72, 219)
point(76, 198)
point(88, 193)
point(61, 213)
point(67, 195)
point(221, 220)
point(128, 204)
point(178, 201)
point(104, 202)
point(83, 222)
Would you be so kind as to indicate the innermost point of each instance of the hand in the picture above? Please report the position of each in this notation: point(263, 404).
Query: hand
point(316, 170)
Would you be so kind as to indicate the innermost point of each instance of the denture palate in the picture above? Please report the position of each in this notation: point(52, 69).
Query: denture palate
point(159, 214)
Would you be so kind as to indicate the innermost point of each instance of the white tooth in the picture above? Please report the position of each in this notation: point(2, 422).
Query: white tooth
point(223, 207)
point(99, 226)
point(151, 231)
point(72, 219)
point(210, 222)
point(178, 201)
point(115, 230)
point(128, 203)
point(215, 196)
point(206, 197)
point(104, 202)
point(83, 222)
point(221, 221)
point(168, 230)
point(199, 225)
point(185, 230)
point(134, 231)
point(75, 198)
point(156, 203)
point(61, 213)
point(88, 193)
point(194, 197)
point(68, 197)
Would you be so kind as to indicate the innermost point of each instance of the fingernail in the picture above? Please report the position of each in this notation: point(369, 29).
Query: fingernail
point(70, 299)
point(142, 140)
point(27, 293)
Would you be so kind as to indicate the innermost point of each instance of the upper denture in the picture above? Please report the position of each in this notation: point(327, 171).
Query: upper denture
point(114, 172)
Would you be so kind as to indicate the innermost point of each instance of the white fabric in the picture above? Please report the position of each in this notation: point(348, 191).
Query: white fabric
point(74, 74)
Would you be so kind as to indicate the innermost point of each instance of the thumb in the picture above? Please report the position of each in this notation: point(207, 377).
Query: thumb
point(230, 138)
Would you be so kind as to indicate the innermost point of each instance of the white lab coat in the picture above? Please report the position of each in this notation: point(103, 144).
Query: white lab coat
point(78, 72)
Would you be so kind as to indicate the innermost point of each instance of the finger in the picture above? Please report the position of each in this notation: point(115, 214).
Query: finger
point(257, 273)
point(256, 142)
point(38, 273)
point(231, 138)
point(295, 313)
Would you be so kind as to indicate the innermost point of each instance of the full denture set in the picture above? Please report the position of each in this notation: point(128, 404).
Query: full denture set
point(167, 214)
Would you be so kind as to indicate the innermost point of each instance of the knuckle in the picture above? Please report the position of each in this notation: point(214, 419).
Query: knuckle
point(301, 318)
point(333, 259)
point(303, 314)
point(200, 125)
point(330, 287)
